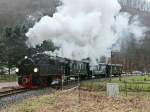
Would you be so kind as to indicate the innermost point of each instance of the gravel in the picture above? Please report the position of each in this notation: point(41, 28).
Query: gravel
point(5, 102)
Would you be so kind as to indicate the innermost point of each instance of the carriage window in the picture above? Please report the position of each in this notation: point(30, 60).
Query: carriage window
point(97, 67)
point(61, 67)
point(73, 66)
point(85, 66)
point(103, 68)
point(115, 68)
point(78, 66)
point(81, 66)
point(70, 65)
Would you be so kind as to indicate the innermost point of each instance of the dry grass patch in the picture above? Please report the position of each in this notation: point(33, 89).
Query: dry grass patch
point(87, 102)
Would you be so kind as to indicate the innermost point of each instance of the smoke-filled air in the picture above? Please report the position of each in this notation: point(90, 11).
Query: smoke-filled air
point(85, 28)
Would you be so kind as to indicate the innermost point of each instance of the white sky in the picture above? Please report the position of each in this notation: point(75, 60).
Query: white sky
point(147, 0)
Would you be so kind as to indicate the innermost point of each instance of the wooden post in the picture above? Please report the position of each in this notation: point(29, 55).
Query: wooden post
point(62, 82)
point(119, 77)
point(111, 72)
point(79, 88)
point(125, 87)
point(111, 67)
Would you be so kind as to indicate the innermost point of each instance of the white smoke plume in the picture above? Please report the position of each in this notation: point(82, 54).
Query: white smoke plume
point(83, 28)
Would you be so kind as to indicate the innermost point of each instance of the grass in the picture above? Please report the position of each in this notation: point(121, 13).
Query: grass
point(34, 104)
point(8, 78)
point(145, 78)
point(126, 84)
point(87, 102)
point(134, 83)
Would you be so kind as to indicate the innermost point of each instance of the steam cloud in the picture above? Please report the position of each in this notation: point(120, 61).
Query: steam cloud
point(84, 28)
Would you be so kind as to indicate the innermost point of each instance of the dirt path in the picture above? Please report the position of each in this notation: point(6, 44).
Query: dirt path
point(8, 84)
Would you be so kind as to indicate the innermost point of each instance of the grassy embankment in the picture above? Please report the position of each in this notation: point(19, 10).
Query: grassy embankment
point(87, 102)
point(8, 78)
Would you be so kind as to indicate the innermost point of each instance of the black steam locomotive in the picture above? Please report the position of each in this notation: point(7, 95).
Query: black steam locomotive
point(42, 70)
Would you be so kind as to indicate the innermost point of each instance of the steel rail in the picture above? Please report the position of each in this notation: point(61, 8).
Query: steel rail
point(12, 92)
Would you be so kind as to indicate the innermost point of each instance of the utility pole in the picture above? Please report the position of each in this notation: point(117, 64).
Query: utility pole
point(111, 66)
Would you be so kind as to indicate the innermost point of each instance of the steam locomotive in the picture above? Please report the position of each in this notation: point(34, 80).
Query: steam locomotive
point(41, 70)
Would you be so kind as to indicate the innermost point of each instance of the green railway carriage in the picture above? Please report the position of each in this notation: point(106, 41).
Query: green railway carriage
point(107, 70)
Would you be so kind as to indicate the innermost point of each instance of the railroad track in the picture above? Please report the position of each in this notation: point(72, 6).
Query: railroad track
point(64, 87)
point(12, 92)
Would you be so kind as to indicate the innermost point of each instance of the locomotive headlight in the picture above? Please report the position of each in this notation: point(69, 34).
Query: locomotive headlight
point(17, 70)
point(26, 57)
point(35, 70)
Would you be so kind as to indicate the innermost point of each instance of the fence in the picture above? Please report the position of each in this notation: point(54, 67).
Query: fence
point(135, 88)
point(126, 88)
point(66, 81)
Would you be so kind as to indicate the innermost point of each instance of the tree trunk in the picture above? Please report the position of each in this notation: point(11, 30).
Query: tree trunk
point(9, 68)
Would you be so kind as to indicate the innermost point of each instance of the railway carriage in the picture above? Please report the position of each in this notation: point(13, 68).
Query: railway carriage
point(100, 70)
point(80, 69)
point(107, 70)
point(116, 69)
